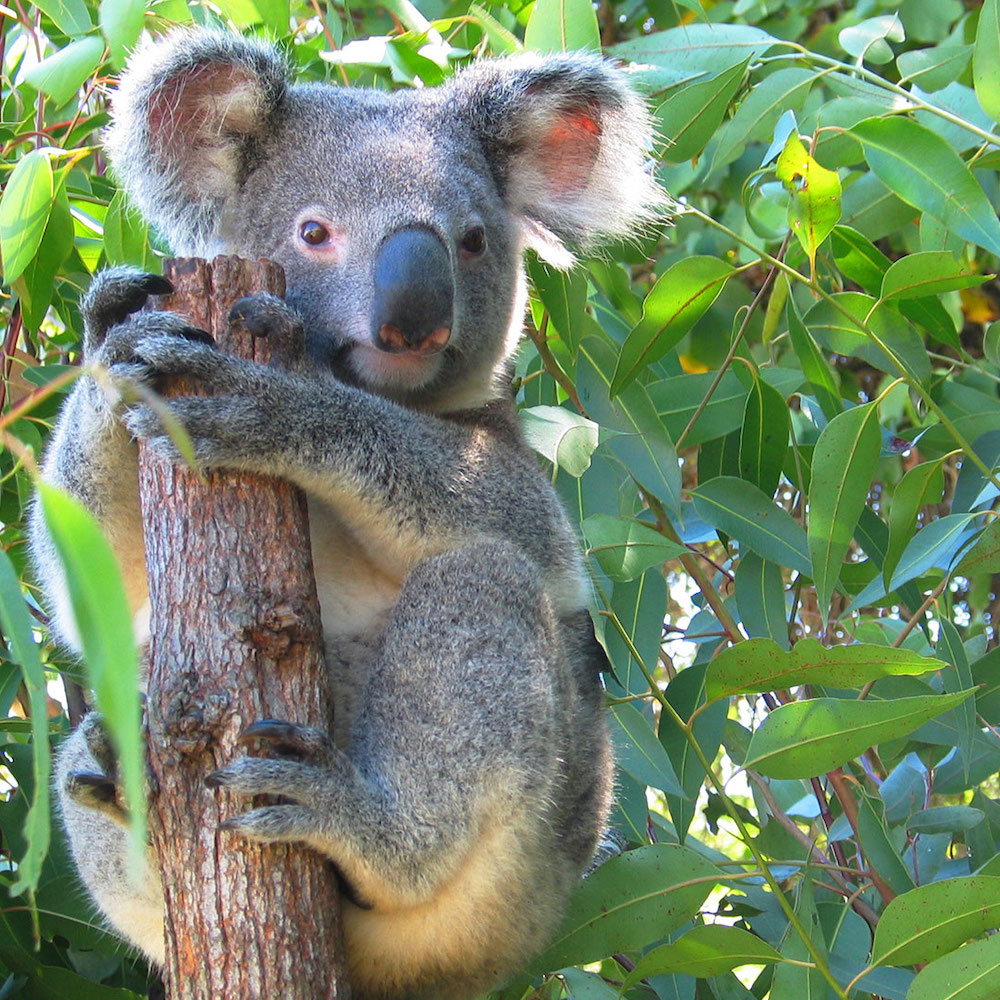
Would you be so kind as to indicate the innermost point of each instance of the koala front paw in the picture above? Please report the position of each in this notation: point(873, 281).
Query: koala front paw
point(113, 296)
point(266, 315)
point(225, 431)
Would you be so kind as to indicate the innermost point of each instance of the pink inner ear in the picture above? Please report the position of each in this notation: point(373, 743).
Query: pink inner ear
point(198, 105)
point(569, 150)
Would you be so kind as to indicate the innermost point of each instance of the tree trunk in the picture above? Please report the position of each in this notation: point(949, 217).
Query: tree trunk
point(235, 638)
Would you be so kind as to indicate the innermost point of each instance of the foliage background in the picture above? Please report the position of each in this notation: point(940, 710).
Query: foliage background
point(776, 422)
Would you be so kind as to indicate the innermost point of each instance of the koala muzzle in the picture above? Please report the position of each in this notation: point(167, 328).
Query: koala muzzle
point(414, 293)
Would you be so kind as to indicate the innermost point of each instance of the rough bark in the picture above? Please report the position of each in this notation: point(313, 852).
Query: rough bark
point(235, 638)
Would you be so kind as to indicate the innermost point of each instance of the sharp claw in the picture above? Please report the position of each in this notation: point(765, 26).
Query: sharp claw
point(268, 729)
point(98, 787)
point(197, 335)
point(156, 284)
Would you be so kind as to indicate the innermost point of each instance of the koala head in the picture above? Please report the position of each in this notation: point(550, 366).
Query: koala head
point(400, 218)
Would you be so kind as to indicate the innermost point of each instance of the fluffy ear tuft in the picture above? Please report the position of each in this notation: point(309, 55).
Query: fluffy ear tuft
point(568, 140)
point(187, 114)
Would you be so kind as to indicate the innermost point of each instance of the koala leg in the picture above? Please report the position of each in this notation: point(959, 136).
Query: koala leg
point(131, 900)
point(444, 812)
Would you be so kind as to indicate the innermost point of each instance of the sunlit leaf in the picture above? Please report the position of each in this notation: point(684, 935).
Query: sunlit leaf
point(807, 738)
point(759, 665)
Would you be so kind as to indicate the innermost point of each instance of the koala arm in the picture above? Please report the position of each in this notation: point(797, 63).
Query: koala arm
point(412, 484)
point(91, 455)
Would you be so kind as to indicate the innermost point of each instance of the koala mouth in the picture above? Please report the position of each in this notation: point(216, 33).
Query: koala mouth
point(395, 371)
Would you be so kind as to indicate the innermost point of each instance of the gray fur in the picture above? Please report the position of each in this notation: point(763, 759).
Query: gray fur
point(467, 780)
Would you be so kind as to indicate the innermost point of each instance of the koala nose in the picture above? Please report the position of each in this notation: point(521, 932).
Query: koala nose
point(414, 293)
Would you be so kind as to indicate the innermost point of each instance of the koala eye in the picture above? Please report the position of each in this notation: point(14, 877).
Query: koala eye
point(314, 233)
point(473, 242)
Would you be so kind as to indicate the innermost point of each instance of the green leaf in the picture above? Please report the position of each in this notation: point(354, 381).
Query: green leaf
point(24, 212)
point(932, 920)
point(757, 115)
point(62, 74)
point(565, 438)
point(71, 16)
point(626, 548)
point(692, 115)
point(740, 510)
point(815, 206)
point(986, 59)
point(759, 665)
point(639, 607)
point(848, 322)
point(945, 819)
point(680, 297)
point(934, 68)
point(878, 848)
point(706, 950)
point(685, 693)
point(984, 555)
point(931, 272)
point(958, 677)
point(859, 258)
point(760, 597)
point(937, 545)
point(564, 296)
point(121, 22)
point(842, 468)
point(867, 39)
point(502, 41)
point(807, 738)
point(104, 623)
point(37, 284)
point(126, 235)
point(18, 631)
point(562, 26)
point(928, 174)
point(923, 484)
point(967, 974)
point(644, 446)
point(814, 365)
point(638, 752)
point(677, 399)
point(614, 910)
point(764, 436)
point(275, 14)
point(696, 46)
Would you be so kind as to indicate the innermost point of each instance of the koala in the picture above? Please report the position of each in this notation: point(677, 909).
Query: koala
point(464, 783)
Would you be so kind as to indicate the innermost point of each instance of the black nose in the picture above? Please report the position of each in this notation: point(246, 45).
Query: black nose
point(414, 293)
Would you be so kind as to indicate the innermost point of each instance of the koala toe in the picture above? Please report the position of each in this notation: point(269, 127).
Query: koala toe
point(275, 823)
point(99, 743)
point(266, 315)
point(96, 791)
point(114, 295)
point(266, 776)
point(286, 739)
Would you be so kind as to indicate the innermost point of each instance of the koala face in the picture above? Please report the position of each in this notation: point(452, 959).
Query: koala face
point(398, 249)
point(400, 218)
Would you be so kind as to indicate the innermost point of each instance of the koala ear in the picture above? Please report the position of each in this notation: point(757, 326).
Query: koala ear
point(187, 114)
point(568, 141)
